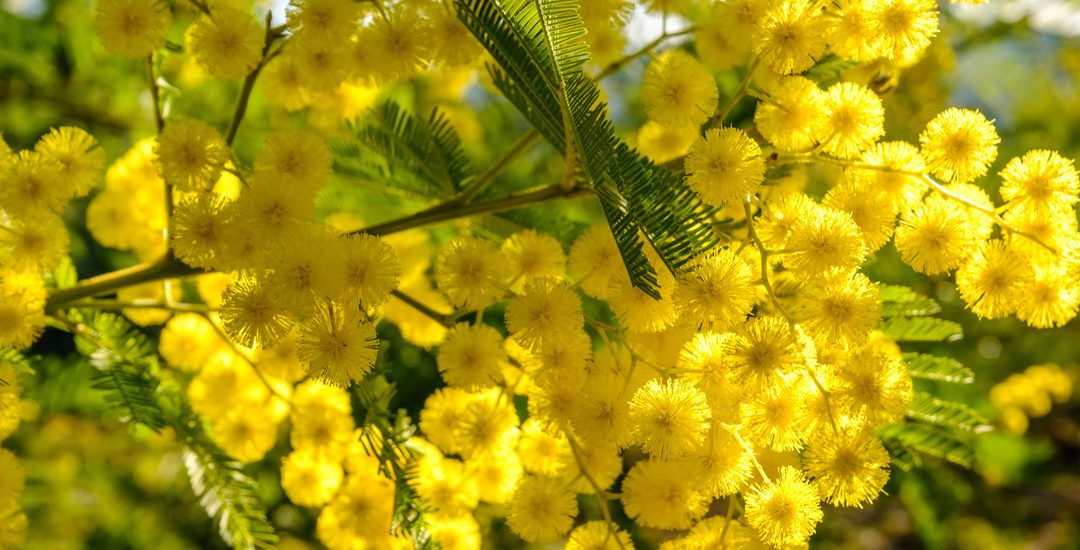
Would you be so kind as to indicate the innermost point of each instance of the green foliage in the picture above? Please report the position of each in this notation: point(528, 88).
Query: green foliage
point(226, 493)
point(921, 329)
point(829, 69)
point(940, 369)
point(384, 436)
point(946, 414)
point(124, 360)
point(901, 301)
point(910, 443)
point(16, 359)
point(126, 364)
point(421, 156)
point(539, 55)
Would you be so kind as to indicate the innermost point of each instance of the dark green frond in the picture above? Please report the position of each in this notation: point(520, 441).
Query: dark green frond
point(428, 150)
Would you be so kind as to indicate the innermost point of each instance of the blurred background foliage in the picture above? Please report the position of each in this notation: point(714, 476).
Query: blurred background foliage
point(94, 483)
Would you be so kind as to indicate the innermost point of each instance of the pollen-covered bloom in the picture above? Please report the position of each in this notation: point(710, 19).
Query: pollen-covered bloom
point(251, 313)
point(22, 311)
point(471, 356)
point(785, 510)
point(659, 494)
point(199, 234)
point(338, 344)
point(725, 166)
point(534, 255)
point(842, 308)
point(848, 468)
point(547, 311)
point(1043, 179)
point(227, 43)
point(822, 239)
point(80, 159)
point(934, 237)
point(790, 36)
point(903, 28)
point(795, 117)
point(190, 154)
point(132, 28)
point(669, 417)
point(717, 292)
point(677, 90)
point(854, 119)
point(993, 282)
point(471, 272)
point(959, 145)
point(542, 509)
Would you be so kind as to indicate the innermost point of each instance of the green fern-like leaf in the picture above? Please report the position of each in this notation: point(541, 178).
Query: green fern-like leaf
point(227, 494)
point(921, 329)
point(829, 69)
point(901, 301)
point(16, 359)
point(920, 440)
point(125, 361)
point(939, 369)
point(946, 414)
point(427, 150)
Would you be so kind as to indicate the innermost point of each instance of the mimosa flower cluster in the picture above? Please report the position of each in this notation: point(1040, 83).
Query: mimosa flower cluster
point(729, 413)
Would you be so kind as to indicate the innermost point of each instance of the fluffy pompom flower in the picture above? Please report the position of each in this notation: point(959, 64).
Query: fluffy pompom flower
point(188, 341)
point(848, 468)
point(993, 282)
point(22, 311)
point(1043, 179)
point(664, 143)
point(670, 418)
point(252, 315)
point(721, 464)
point(934, 237)
point(471, 356)
point(371, 268)
point(322, 20)
point(959, 145)
point(30, 185)
point(337, 344)
point(762, 352)
point(874, 385)
point(823, 239)
point(597, 535)
point(725, 166)
point(300, 157)
point(1051, 300)
point(78, 155)
point(854, 119)
point(784, 511)
point(471, 272)
point(776, 418)
point(199, 235)
point(547, 311)
point(399, 45)
point(132, 28)
point(189, 154)
point(716, 293)
point(227, 43)
point(659, 494)
point(244, 434)
point(871, 210)
point(795, 119)
point(542, 509)
point(36, 245)
point(789, 37)
point(841, 308)
point(594, 260)
point(677, 90)
point(533, 255)
point(903, 28)
point(309, 479)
